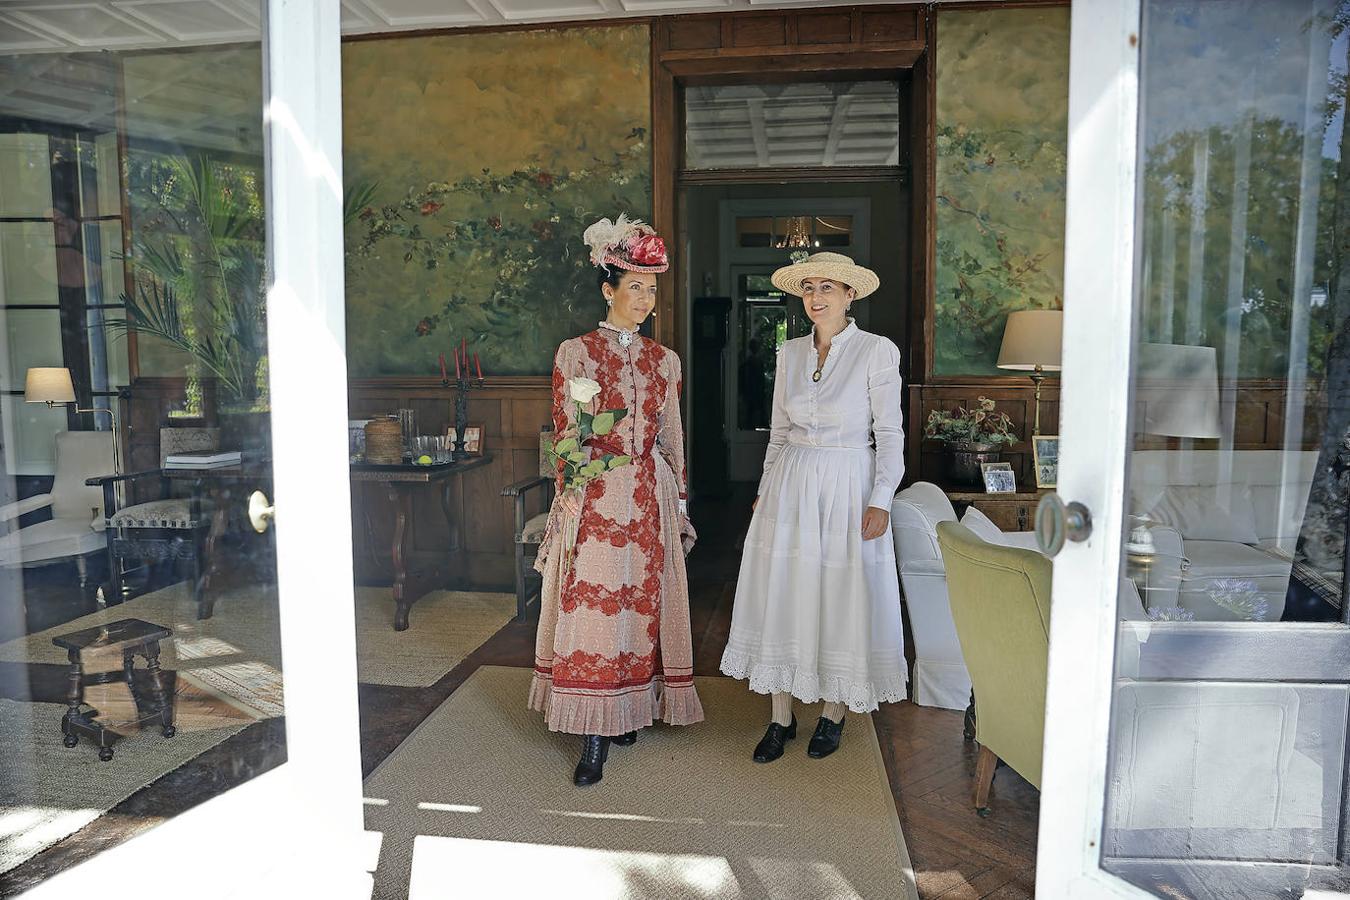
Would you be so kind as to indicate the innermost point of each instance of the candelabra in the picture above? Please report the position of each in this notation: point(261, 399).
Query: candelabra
point(463, 385)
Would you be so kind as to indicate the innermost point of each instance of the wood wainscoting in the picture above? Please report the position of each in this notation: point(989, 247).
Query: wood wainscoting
point(511, 411)
point(1258, 408)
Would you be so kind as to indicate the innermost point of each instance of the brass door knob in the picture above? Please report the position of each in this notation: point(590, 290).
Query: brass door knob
point(1056, 521)
point(260, 511)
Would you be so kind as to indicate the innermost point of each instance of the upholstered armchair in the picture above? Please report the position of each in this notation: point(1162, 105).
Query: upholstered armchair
point(167, 529)
point(1000, 602)
point(75, 530)
point(529, 531)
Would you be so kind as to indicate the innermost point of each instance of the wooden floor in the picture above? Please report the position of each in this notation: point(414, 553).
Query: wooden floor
point(955, 853)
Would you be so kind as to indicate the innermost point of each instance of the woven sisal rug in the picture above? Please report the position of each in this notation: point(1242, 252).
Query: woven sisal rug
point(478, 802)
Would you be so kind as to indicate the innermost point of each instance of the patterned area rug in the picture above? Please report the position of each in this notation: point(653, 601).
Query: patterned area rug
point(237, 652)
point(478, 801)
point(48, 791)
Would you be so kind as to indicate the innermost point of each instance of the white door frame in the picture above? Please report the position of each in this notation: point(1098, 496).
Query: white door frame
point(295, 830)
point(1099, 281)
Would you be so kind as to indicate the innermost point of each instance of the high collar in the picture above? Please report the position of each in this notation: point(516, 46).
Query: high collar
point(624, 338)
point(849, 330)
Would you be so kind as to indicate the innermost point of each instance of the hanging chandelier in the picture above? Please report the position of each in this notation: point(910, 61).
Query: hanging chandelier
point(798, 236)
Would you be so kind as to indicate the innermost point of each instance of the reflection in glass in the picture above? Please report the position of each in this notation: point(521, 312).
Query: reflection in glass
point(1228, 740)
point(132, 251)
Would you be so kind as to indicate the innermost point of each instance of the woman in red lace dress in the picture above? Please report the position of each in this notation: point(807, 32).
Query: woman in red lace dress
point(613, 651)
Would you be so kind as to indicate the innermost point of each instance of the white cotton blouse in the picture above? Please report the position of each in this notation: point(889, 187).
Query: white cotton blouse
point(855, 404)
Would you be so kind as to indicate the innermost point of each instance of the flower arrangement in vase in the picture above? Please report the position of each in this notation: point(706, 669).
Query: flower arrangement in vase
point(971, 437)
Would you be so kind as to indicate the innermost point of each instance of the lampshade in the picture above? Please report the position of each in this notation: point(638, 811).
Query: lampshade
point(1032, 338)
point(49, 385)
point(1179, 387)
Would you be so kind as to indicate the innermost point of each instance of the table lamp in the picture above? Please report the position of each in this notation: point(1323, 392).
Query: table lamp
point(1031, 343)
point(52, 385)
point(1179, 387)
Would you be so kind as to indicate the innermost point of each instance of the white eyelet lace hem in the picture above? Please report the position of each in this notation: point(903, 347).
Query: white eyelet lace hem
point(811, 686)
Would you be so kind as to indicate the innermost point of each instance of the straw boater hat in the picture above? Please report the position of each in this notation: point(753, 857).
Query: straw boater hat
point(834, 266)
point(628, 244)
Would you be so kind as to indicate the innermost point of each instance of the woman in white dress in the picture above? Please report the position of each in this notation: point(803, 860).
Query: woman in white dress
point(817, 612)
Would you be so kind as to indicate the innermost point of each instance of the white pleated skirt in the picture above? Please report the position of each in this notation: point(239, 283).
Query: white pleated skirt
point(817, 610)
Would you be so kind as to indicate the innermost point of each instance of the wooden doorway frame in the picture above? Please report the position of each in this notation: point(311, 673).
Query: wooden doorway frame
point(869, 42)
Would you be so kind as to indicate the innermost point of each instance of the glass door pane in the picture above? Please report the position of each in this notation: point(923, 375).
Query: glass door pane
point(1226, 766)
point(142, 654)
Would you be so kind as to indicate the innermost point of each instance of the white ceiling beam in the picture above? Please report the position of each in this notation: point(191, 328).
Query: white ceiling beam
point(755, 108)
point(838, 119)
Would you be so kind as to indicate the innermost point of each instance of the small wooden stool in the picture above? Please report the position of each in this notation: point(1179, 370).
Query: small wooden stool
point(132, 637)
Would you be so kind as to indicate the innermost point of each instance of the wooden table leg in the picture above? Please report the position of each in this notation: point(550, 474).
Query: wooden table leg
point(163, 703)
point(969, 723)
point(74, 697)
point(402, 500)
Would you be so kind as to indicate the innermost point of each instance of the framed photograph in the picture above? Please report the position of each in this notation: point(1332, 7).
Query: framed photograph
point(999, 478)
point(356, 439)
point(1045, 458)
point(473, 439)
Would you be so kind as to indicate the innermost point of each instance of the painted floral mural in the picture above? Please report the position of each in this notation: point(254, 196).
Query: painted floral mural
point(1002, 143)
point(490, 154)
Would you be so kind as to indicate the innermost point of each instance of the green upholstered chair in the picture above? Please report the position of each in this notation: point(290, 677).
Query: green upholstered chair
point(1000, 600)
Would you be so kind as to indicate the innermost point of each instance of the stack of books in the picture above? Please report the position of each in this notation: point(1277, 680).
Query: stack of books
point(203, 459)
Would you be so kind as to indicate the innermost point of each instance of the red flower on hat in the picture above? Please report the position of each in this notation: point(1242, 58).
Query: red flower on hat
point(430, 207)
point(648, 250)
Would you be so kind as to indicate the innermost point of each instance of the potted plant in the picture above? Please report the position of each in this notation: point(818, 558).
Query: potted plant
point(971, 437)
point(200, 262)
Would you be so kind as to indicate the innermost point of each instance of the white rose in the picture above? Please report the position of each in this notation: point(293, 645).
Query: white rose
point(583, 390)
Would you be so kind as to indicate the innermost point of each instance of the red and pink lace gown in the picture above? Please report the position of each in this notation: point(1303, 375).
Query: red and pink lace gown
point(613, 651)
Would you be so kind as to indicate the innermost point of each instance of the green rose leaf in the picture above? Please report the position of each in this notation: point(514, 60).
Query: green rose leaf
point(603, 423)
point(565, 446)
point(616, 461)
point(619, 413)
point(594, 467)
point(577, 456)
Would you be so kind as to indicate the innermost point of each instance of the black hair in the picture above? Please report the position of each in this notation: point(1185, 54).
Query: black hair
point(611, 276)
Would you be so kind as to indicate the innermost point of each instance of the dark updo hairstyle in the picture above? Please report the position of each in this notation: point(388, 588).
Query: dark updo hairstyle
point(611, 276)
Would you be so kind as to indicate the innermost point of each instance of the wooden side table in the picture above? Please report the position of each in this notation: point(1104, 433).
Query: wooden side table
point(400, 483)
point(134, 638)
point(1010, 512)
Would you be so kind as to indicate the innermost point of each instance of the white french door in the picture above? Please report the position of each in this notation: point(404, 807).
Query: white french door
point(234, 158)
point(1199, 675)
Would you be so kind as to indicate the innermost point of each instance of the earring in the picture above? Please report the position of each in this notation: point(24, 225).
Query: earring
point(609, 302)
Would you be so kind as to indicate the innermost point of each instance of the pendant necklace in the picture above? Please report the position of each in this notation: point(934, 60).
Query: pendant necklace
point(820, 365)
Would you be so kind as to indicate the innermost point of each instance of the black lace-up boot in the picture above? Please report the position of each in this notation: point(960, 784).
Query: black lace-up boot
point(591, 768)
point(624, 740)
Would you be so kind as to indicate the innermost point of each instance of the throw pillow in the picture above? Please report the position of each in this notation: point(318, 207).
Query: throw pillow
point(983, 527)
point(1195, 511)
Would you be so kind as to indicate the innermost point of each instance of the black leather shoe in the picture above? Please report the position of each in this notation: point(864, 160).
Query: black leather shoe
point(826, 739)
point(770, 746)
point(625, 740)
point(591, 768)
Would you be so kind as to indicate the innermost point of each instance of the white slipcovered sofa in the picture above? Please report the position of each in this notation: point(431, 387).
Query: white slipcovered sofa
point(940, 675)
point(1223, 527)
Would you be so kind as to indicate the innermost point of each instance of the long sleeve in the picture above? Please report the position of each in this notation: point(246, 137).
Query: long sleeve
point(565, 366)
point(670, 435)
point(778, 422)
point(883, 393)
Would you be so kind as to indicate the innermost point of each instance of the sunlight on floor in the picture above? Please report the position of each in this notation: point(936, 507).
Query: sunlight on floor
point(623, 817)
point(450, 807)
point(464, 867)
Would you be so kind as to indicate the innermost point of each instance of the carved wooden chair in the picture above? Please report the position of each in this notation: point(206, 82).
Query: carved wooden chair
point(529, 532)
point(168, 529)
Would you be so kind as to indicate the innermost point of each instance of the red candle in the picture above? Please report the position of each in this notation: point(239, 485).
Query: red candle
point(443, 367)
point(477, 366)
point(464, 349)
point(457, 364)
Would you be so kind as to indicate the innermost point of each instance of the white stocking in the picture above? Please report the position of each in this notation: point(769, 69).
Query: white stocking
point(782, 709)
point(834, 712)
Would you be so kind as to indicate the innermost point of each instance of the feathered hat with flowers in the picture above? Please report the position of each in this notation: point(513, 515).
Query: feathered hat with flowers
point(629, 244)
